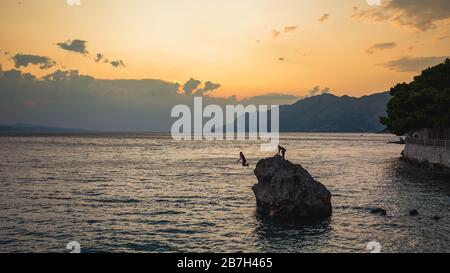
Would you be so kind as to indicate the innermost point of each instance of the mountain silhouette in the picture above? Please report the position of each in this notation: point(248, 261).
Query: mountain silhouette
point(330, 113)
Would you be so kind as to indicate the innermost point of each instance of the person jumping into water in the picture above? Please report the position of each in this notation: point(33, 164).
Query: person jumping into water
point(281, 151)
point(244, 161)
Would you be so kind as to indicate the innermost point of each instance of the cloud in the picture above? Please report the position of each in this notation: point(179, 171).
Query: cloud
point(15, 76)
point(62, 75)
point(68, 99)
point(71, 100)
point(413, 64)
point(289, 29)
point(418, 14)
point(324, 17)
point(24, 60)
point(317, 91)
point(99, 57)
point(381, 46)
point(208, 87)
point(117, 63)
point(190, 86)
point(76, 45)
point(275, 33)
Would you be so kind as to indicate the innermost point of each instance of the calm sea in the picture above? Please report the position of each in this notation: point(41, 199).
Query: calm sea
point(148, 193)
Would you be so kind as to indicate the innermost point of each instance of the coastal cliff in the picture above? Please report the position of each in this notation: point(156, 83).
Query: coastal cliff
point(287, 190)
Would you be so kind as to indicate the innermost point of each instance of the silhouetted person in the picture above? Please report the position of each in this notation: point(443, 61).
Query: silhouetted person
point(242, 158)
point(281, 151)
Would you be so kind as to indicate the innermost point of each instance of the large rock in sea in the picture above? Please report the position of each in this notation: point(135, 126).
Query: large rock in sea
point(287, 190)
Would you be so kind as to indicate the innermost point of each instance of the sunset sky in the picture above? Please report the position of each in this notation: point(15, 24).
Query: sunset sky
point(249, 47)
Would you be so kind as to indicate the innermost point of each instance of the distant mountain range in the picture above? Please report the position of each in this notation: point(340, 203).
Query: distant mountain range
point(323, 113)
point(330, 113)
point(35, 129)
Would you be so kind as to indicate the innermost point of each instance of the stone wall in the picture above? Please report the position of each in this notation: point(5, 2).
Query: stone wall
point(431, 155)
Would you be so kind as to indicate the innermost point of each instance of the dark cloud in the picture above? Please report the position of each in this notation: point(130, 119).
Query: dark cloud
point(76, 45)
point(419, 14)
point(69, 99)
point(117, 63)
point(190, 86)
point(209, 87)
point(324, 17)
point(380, 46)
point(24, 60)
point(16, 75)
point(289, 29)
point(99, 57)
point(316, 91)
point(62, 75)
point(413, 64)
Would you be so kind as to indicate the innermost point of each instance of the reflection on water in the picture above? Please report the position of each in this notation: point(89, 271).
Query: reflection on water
point(290, 237)
point(148, 193)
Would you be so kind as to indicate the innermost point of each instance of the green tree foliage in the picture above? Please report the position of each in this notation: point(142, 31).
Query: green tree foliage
point(423, 103)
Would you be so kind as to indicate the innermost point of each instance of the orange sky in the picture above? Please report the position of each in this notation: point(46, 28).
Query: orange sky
point(227, 42)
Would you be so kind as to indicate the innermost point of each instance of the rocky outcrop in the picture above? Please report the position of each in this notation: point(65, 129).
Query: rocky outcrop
point(287, 190)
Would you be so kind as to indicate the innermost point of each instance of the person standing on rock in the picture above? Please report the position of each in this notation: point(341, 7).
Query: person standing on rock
point(244, 161)
point(281, 151)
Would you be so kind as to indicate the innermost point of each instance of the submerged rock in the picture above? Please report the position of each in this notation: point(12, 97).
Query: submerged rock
point(286, 190)
point(378, 211)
